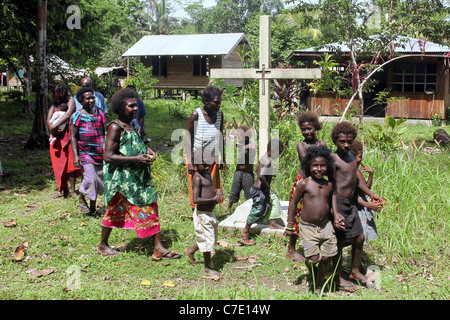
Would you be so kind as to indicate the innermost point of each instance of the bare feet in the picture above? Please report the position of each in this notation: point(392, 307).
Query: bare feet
point(274, 225)
point(213, 274)
point(347, 285)
point(246, 241)
point(107, 251)
point(190, 255)
point(295, 256)
point(359, 277)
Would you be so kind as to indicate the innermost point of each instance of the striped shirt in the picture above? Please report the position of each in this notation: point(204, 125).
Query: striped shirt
point(91, 136)
point(207, 137)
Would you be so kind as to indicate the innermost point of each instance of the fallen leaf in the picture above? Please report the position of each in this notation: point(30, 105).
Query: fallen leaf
point(6, 191)
point(145, 283)
point(11, 223)
point(241, 258)
point(41, 273)
point(169, 283)
point(19, 254)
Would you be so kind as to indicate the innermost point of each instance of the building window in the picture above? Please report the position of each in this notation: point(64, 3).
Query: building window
point(159, 66)
point(414, 77)
point(200, 66)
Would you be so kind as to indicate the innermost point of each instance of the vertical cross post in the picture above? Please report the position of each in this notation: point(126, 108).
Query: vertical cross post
point(264, 85)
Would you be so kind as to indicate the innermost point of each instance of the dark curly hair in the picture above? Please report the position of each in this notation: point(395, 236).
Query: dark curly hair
point(81, 92)
point(357, 146)
point(61, 91)
point(119, 99)
point(311, 117)
point(210, 92)
point(314, 152)
point(345, 128)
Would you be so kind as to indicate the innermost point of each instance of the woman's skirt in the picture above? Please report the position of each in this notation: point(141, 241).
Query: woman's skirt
point(120, 213)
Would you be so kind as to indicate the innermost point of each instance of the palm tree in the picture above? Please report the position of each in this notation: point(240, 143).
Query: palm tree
point(304, 21)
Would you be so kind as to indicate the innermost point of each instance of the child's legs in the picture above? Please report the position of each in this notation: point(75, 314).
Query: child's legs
point(236, 187)
point(357, 251)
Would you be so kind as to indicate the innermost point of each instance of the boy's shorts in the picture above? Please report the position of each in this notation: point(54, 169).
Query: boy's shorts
point(318, 240)
point(241, 181)
point(205, 226)
point(353, 228)
point(260, 206)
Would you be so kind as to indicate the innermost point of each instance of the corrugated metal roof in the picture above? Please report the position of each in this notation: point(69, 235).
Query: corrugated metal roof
point(189, 44)
point(406, 45)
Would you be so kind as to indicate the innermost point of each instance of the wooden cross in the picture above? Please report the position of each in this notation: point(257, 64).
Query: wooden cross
point(263, 74)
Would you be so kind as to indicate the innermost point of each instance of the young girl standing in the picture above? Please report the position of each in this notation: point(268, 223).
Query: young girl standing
point(309, 124)
point(87, 128)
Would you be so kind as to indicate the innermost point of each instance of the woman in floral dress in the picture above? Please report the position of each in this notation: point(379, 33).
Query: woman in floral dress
point(130, 196)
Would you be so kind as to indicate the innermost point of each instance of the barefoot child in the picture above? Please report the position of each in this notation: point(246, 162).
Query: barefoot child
point(205, 196)
point(365, 206)
point(319, 201)
point(87, 129)
point(347, 188)
point(309, 124)
point(261, 193)
point(243, 178)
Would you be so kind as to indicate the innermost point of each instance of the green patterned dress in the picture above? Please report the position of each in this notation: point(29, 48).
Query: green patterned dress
point(129, 191)
point(131, 180)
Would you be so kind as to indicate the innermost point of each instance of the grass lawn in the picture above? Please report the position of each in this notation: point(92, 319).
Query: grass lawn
point(411, 253)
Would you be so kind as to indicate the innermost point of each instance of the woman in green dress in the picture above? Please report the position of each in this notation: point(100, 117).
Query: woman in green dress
point(129, 191)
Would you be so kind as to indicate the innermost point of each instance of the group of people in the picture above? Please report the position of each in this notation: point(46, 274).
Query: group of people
point(328, 214)
point(111, 158)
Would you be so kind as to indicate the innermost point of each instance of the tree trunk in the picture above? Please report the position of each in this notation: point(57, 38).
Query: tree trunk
point(39, 134)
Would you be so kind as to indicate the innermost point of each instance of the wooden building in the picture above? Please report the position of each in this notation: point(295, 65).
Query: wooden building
point(182, 62)
point(421, 79)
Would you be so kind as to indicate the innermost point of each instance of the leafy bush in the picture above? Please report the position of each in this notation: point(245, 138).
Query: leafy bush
point(387, 137)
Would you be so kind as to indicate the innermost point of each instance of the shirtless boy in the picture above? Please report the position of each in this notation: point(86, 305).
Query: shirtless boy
point(205, 196)
point(261, 191)
point(243, 178)
point(347, 189)
point(319, 201)
point(309, 125)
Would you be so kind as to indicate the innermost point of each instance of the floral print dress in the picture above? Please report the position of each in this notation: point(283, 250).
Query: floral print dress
point(130, 194)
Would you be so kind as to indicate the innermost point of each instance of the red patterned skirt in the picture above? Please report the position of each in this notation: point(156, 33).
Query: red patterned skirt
point(120, 213)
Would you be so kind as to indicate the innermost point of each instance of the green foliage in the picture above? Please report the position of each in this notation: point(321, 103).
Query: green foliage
point(247, 101)
point(142, 80)
point(436, 119)
point(387, 137)
point(230, 15)
point(330, 80)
